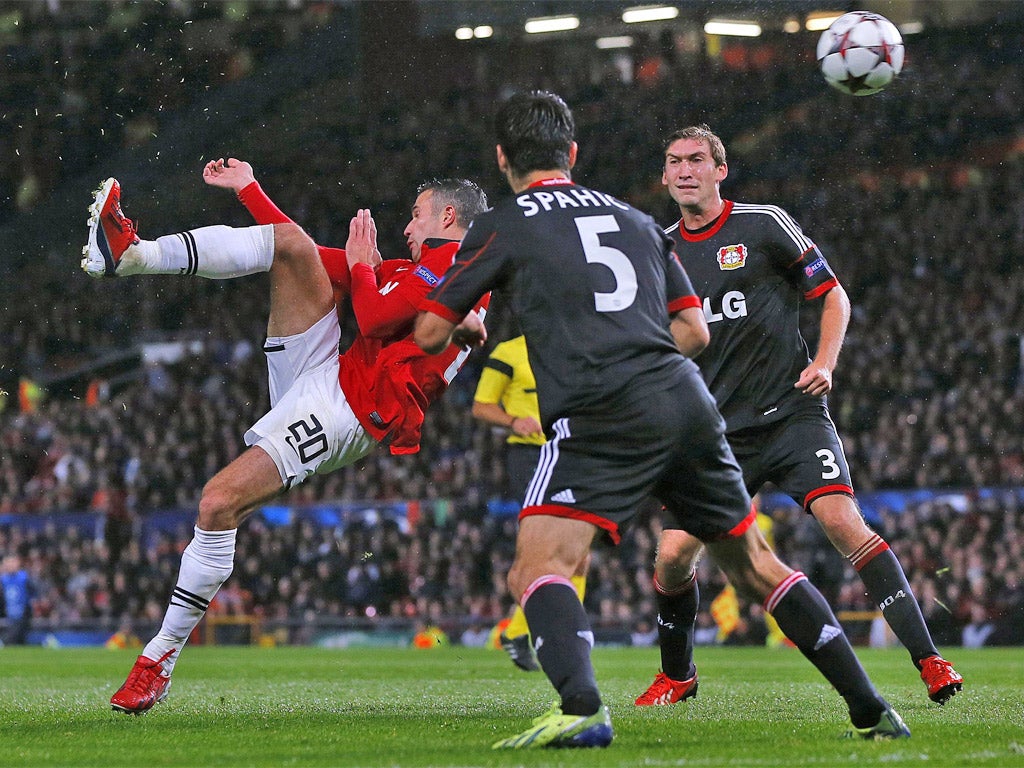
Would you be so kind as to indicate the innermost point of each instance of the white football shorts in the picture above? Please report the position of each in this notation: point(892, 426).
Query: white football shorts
point(310, 428)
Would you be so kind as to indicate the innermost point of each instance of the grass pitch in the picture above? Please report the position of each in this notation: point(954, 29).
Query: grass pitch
point(445, 707)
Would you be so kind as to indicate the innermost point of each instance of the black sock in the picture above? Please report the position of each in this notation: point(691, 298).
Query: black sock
point(805, 617)
point(677, 614)
point(562, 638)
point(889, 589)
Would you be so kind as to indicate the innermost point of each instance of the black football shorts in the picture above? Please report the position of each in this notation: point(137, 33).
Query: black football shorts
point(667, 442)
point(801, 454)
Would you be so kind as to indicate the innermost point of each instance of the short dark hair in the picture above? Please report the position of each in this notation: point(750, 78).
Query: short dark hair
point(463, 195)
point(535, 130)
point(701, 132)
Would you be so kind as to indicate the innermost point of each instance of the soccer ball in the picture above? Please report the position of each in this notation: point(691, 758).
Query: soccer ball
point(860, 53)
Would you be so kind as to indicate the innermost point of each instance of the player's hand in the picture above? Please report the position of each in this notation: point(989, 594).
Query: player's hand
point(815, 380)
point(361, 247)
point(470, 332)
point(230, 174)
point(527, 426)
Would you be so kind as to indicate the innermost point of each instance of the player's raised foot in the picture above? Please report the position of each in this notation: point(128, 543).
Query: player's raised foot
point(520, 651)
point(557, 731)
point(111, 234)
point(146, 685)
point(942, 680)
point(665, 690)
point(890, 726)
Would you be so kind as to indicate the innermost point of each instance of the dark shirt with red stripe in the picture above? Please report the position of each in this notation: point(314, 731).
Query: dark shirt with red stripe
point(753, 268)
point(592, 281)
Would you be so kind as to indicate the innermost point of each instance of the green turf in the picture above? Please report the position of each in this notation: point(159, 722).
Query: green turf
point(395, 707)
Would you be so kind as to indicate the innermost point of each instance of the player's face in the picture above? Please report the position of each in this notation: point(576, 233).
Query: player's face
point(691, 175)
point(424, 224)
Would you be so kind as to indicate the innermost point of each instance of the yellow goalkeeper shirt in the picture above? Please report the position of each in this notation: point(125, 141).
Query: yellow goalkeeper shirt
point(507, 380)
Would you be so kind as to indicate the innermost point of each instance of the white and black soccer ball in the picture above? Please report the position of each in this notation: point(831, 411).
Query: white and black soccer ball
point(860, 53)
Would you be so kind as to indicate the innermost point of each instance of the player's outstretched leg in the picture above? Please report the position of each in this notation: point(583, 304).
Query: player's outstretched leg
point(807, 620)
point(888, 587)
point(206, 564)
point(678, 597)
point(563, 640)
point(114, 248)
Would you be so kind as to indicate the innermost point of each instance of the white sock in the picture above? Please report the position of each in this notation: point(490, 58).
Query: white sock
point(216, 252)
point(206, 563)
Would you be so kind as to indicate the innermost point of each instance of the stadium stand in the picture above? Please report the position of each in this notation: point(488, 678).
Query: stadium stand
point(112, 421)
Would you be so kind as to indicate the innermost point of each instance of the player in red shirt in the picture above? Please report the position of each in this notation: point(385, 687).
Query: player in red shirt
point(327, 409)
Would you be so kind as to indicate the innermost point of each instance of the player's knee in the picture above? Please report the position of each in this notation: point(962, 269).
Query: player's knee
point(218, 508)
point(515, 582)
point(291, 243)
point(677, 551)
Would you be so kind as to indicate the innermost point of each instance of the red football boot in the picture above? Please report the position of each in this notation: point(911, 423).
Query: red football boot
point(665, 690)
point(146, 685)
point(111, 233)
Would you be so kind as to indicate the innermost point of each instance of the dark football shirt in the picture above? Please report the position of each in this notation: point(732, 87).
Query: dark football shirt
point(592, 282)
point(753, 267)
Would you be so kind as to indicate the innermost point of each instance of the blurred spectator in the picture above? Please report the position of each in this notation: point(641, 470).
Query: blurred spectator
point(976, 633)
point(17, 593)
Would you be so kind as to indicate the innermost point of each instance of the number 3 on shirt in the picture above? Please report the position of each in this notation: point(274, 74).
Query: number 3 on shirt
point(590, 229)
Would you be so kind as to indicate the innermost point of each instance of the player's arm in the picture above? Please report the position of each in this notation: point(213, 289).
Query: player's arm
point(690, 331)
point(687, 323)
point(816, 378)
point(379, 315)
point(815, 278)
point(238, 176)
point(495, 379)
point(433, 333)
point(492, 413)
point(479, 267)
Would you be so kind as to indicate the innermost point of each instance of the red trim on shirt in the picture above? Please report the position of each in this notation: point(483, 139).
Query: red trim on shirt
point(822, 289)
point(800, 258)
point(684, 302)
point(702, 235)
point(551, 182)
point(456, 268)
point(557, 510)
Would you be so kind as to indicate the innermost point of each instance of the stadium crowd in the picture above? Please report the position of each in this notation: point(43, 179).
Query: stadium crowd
point(924, 232)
